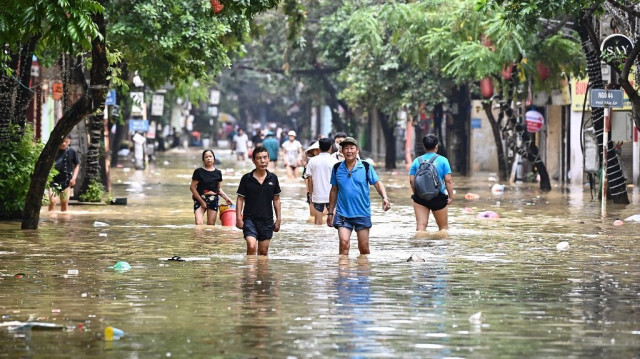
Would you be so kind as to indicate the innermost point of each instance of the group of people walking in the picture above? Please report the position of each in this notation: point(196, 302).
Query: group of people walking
point(339, 187)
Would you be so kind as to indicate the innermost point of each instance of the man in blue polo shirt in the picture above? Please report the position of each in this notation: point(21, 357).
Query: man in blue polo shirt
point(258, 196)
point(349, 203)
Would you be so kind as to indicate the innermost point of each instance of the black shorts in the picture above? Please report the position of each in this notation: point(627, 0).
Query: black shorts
point(320, 206)
point(434, 204)
point(260, 229)
point(210, 199)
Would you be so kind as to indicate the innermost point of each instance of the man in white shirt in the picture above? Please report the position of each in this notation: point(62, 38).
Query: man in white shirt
point(319, 171)
point(242, 145)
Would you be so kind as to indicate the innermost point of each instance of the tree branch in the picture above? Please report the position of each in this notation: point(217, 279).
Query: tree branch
point(305, 72)
point(628, 9)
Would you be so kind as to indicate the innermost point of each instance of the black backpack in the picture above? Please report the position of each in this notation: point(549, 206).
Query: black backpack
point(426, 181)
point(366, 169)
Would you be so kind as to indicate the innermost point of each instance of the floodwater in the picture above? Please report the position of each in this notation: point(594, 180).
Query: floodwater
point(304, 300)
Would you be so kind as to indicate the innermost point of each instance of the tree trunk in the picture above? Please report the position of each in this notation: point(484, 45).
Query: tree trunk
point(24, 95)
point(531, 152)
point(389, 141)
point(497, 138)
point(617, 185)
point(336, 120)
point(88, 103)
point(92, 162)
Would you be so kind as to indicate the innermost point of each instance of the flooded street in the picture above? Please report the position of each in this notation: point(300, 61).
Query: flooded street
point(304, 300)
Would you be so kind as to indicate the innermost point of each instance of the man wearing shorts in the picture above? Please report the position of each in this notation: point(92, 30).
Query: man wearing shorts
point(349, 202)
point(68, 166)
point(438, 204)
point(319, 172)
point(258, 196)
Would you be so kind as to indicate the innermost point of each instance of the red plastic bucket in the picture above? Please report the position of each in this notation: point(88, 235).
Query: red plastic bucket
point(228, 215)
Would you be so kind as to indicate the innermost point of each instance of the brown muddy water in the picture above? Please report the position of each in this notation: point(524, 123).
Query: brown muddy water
point(306, 301)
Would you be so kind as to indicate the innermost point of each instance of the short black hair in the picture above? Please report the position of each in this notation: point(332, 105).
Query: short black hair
point(430, 142)
point(340, 135)
point(205, 151)
point(257, 150)
point(325, 144)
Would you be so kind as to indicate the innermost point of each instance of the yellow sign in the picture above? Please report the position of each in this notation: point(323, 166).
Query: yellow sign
point(579, 92)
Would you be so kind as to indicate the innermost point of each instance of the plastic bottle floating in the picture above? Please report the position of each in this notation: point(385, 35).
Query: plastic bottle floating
point(488, 214)
point(111, 333)
point(121, 266)
point(497, 188)
point(471, 196)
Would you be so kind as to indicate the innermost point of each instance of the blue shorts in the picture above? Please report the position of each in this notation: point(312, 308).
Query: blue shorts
point(320, 206)
point(357, 223)
point(260, 229)
point(210, 199)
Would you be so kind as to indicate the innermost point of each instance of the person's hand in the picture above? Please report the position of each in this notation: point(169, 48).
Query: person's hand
point(330, 220)
point(72, 183)
point(276, 226)
point(449, 200)
point(386, 204)
point(239, 223)
point(229, 201)
point(203, 204)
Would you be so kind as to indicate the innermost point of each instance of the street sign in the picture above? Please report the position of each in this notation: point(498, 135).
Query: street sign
point(157, 105)
point(606, 98)
point(111, 98)
point(534, 121)
point(138, 125)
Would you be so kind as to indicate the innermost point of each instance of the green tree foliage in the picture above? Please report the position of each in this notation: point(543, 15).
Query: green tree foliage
point(15, 173)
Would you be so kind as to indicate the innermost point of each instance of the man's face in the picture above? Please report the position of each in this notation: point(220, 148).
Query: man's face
point(292, 138)
point(338, 140)
point(350, 151)
point(261, 160)
point(65, 143)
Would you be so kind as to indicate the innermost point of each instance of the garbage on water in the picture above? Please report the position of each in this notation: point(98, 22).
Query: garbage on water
point(100, 224)
point(634, 218)
point(488, 214)
point(102, 234)
point(111, 333)
point(497, 188)
point(16, 325)
point(476, 318)
point(618, 222)
point(73, 272)
point(415, 258)
point(467, 210)
point(491, 179)
point(471, 196)
point(121, 266)
point(562, 246)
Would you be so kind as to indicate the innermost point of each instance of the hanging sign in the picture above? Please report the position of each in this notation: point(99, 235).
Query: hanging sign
point(137, 99)
point(157, 105)
point(616, 45)
point(534, 121)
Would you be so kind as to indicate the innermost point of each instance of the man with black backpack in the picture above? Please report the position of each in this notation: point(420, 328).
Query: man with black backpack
point(349, 202)
point(428, 176)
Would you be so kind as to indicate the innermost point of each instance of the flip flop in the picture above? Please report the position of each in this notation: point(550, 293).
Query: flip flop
point(176, 258)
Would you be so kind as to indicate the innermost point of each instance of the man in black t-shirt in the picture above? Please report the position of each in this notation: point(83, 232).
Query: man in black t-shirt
point(258, 196)
point(68, 166)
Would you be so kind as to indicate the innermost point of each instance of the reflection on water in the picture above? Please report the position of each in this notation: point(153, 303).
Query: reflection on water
point(305, 300)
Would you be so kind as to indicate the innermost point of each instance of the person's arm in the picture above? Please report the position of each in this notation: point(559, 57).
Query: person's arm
point(277, 207)
point(333, 196)
point(412, 182)
point(76, 169)
point(309, 180)
point(195, 194)
point(224, 195)
point(382, 192)
point(239, 207)
point(448, 183)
